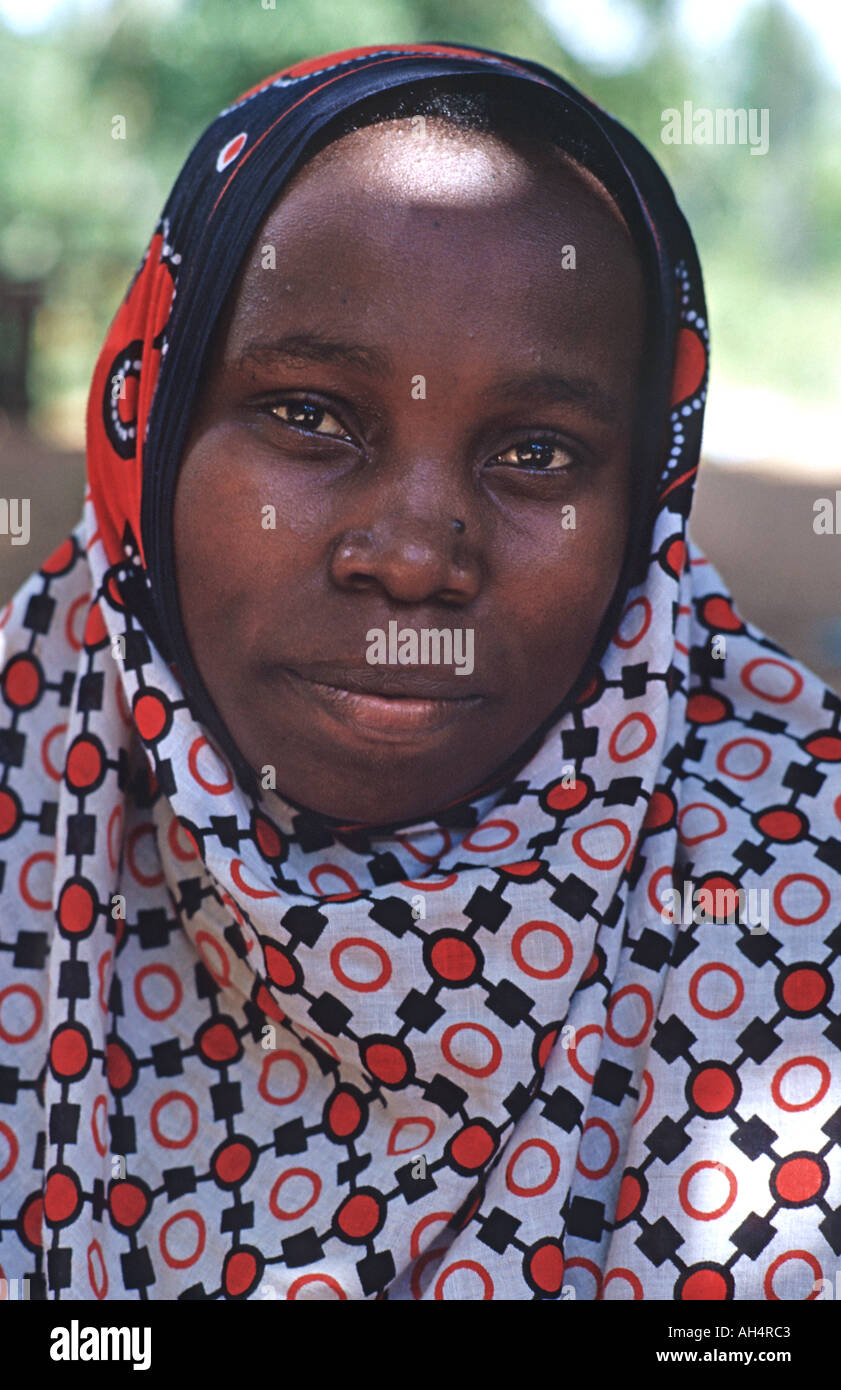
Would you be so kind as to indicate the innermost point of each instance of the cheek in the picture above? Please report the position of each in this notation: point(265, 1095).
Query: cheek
point(239, 559)
point(215, 534)
point(569, 577)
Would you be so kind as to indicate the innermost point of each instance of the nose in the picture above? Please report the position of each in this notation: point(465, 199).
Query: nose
point(411, 558)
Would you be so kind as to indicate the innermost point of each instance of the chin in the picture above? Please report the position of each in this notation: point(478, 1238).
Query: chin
point(361, 802)
point(372, 810)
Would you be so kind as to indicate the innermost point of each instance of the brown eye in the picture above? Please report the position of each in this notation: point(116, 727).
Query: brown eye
point(304, 415)
point(547, 455)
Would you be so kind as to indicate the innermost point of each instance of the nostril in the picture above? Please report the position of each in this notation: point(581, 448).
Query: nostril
point(361, 582)
point(409, 563)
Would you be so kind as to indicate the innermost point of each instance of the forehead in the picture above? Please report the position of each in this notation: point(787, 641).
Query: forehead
point(424, 161)
point(413, 212)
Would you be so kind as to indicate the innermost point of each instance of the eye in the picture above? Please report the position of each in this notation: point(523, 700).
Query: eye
point(309, 417)
point(538, 453)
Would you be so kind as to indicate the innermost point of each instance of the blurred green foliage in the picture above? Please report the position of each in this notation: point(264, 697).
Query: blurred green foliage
point(77, 206)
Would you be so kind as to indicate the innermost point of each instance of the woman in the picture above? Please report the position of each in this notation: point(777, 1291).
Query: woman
point(328, 977)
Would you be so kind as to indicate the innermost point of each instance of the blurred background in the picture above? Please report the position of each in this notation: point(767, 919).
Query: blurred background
point(78, 206)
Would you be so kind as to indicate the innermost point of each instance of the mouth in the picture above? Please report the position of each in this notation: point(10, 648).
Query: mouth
point(395, 706)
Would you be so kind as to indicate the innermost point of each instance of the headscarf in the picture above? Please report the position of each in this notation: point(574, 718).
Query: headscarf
point(246, 1056)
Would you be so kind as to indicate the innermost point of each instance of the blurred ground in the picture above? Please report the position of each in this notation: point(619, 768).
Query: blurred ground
point(754, 524)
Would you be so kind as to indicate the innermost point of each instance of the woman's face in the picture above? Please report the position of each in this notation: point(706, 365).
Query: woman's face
point(418, 412)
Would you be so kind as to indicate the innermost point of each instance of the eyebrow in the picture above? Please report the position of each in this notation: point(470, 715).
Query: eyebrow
point(544, 388)
point(548, 388)
point(303, 348)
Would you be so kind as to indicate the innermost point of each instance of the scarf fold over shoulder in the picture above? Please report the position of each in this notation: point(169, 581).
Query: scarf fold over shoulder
point(578, 1041)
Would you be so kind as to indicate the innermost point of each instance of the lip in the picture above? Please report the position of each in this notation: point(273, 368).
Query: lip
point(371, 703)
